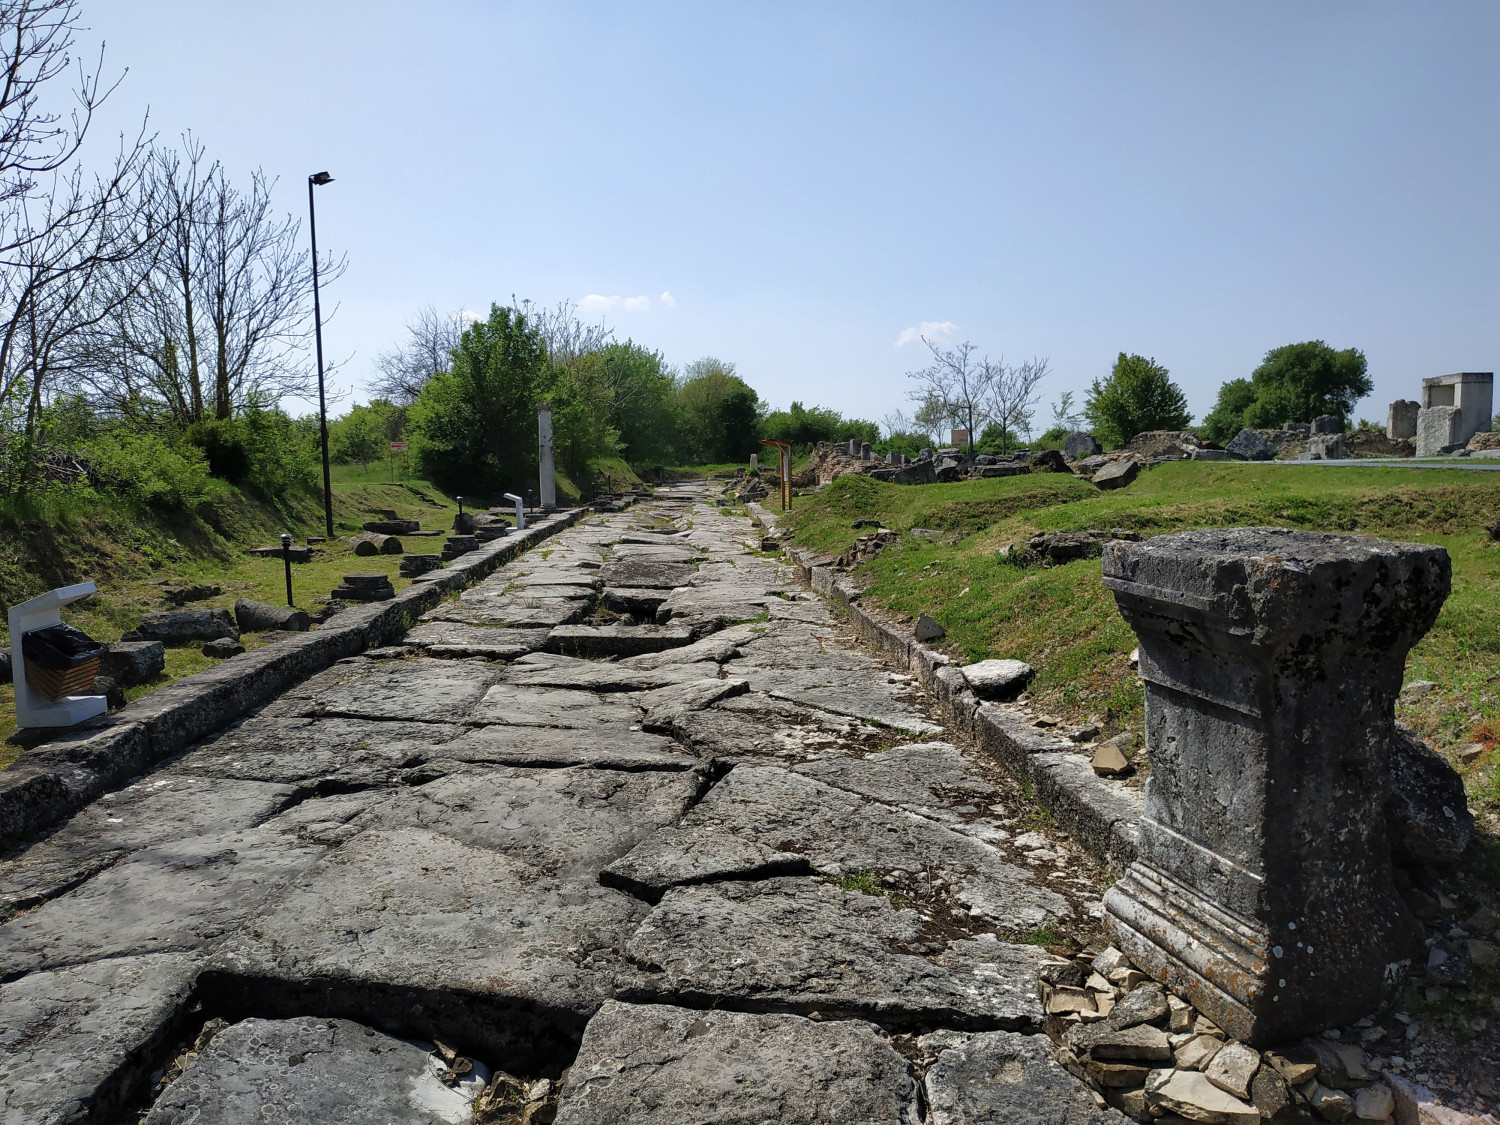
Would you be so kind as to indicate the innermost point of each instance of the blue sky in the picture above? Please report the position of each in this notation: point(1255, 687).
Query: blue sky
point(809, 182)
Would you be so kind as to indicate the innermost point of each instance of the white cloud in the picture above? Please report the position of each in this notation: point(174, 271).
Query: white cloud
point(932, 329)
point(469, 316)
point(596, 302)
point(668, 300)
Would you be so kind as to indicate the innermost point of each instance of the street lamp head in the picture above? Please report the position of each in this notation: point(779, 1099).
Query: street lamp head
point(320, 178)
point(286, 540)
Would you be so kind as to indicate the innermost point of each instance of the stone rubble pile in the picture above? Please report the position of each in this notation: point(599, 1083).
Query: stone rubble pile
point(1145, 1051)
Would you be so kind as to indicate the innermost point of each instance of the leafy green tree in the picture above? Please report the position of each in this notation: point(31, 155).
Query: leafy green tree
point(475, 427)
point(1139, 395)
point(721, 412)
point(1227, 418)
point(643, 406)
point(805, 427)
point(1294, 383)
point(359, 437)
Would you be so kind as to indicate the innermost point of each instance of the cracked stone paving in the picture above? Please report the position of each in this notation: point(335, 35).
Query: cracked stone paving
point(632, 831)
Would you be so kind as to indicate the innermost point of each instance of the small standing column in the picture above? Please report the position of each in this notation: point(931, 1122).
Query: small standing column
point(548, 471)
point(1262, 886)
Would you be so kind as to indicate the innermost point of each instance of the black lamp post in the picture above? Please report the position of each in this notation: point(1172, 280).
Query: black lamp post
point(317, 180)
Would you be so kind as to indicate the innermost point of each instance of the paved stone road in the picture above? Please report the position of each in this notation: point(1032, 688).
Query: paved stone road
point(739, 866)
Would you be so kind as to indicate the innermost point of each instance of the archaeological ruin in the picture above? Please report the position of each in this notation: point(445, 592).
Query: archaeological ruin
point(624, 817)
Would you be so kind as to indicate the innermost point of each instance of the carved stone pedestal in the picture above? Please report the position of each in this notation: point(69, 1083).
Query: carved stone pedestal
point(1272, 659)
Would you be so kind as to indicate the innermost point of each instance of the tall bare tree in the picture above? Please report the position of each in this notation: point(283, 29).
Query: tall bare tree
point(955, 385)
point(1011, 394)
point(428, 351)
point(62, 233)
point(224, 315)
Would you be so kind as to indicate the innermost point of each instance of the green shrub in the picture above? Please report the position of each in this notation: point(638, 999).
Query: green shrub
point(262, 450)
point(149, 469)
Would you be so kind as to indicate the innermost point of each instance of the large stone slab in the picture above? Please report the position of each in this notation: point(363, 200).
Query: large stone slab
point(521, 705)
point(676, 857)
point(447, 638)
point(862, 693)
point(802, 945)
point(650, 1064)
point(436, 691)
point(931, 778)
point(77, 1040)
point(616, 640)
point(1002, 1078)
point(309, 1071)
point(845, 832)
point(713, 607)
point(569, 823)
point(548, 670)
point(328, 754)
point(716, 647)
point(160, 808)
point(758, 726)
point(611, 747)
point(648, 573)
point(418, 934)
point(177, 896)
point(513, 611)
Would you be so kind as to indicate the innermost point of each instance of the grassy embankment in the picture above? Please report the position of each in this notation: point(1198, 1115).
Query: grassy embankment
point(131, 555)
point(1063, 621)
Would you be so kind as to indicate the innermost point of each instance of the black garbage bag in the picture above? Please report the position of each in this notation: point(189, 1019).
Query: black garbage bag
point(60, 647)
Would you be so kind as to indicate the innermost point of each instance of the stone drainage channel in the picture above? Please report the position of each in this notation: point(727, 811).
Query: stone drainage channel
point(632, 831)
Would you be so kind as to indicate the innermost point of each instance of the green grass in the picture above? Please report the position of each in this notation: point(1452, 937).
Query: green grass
point(862, 881)
point(1063, 622)
point(131, 556)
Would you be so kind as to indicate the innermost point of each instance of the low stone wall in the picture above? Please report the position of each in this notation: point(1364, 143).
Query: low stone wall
point(57, 777)
point(1100, 814)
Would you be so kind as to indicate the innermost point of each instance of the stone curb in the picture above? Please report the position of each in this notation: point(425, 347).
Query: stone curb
point(53, 780)
point(1102, 816)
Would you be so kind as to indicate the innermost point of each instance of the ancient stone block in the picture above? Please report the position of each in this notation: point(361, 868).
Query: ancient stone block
point(795, 943)
point(643, 1064)
point(1078, 445)
point(308, 1070)
point(364, 588)
point(183, 626)
point(1001, 1076)
point(1438, 430)
point(257, 617)
point(1327, 424)
point(998, 679)
point(392, 527)
point(223, 648)
point(1262, 888)
point(1427, 813)
point(1118, 473)
point(1401, 419)
point(371, 543)
point(1049, 461)
point(413, 565)
point(1251, 446)
point(1325, 447)
point(133, 662)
